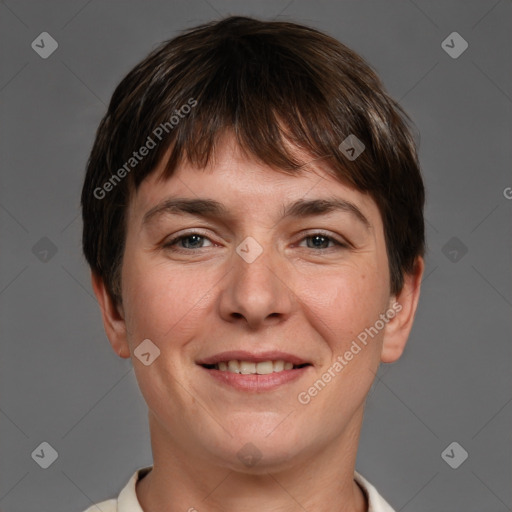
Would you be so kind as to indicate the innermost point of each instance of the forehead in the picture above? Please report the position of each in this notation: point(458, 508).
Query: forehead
point(246, 187)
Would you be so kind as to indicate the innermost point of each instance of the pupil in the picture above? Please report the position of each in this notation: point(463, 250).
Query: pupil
point(319, 241)
point(195, 240)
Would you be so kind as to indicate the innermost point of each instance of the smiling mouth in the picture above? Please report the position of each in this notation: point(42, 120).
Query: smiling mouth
point(253, 368)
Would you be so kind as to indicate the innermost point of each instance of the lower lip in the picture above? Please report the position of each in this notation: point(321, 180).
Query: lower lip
point(255, 382)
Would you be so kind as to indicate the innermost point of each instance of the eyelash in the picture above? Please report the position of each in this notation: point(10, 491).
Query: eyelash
point(170, 245)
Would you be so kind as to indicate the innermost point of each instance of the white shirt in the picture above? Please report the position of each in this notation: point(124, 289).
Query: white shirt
point(127, 500)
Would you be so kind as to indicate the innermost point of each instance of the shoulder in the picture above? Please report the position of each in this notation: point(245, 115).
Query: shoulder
point(376, 503)
point(104, 506)
point(127, 500)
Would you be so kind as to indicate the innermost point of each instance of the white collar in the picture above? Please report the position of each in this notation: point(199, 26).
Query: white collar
point(127, 500)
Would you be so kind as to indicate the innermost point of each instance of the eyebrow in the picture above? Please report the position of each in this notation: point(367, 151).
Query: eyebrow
point(211, 208)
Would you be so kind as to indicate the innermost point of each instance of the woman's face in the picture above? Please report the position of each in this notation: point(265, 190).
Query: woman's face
point(268, 268)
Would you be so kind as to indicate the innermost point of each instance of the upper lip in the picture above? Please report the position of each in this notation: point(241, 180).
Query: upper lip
point(244, 355)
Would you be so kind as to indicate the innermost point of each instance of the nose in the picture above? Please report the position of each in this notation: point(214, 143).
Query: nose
point(258, 293)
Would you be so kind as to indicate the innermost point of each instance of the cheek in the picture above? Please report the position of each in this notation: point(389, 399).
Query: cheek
point(343, 303)
point(163, 303)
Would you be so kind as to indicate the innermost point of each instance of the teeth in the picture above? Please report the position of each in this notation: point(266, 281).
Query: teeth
point(278, 366)
point(234, 366)
point(247, 367)
point(264, 368)
point(251, 368)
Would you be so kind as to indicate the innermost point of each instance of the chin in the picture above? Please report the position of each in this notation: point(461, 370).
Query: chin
point(259, 454)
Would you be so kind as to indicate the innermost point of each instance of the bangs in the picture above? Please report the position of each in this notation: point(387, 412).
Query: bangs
point(276, 105)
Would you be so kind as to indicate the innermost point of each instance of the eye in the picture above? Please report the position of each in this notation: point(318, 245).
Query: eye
point(187, 242)
point(321, 241)
point(190, 241)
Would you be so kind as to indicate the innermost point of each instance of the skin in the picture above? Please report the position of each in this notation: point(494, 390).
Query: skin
point(307, 301)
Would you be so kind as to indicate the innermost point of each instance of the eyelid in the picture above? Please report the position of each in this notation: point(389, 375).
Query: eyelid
point(168, 241)
point(336, 239)
point(342, 241)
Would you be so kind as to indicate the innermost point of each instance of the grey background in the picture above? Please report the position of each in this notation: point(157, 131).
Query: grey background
point(61, 382)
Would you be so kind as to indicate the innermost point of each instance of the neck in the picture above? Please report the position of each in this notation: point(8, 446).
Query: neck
point(317, 481)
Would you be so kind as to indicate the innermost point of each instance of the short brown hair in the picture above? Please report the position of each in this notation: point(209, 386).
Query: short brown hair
point(272, 84)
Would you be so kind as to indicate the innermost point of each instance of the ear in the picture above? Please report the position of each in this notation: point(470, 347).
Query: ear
point(113, 317)
point(404, 305)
